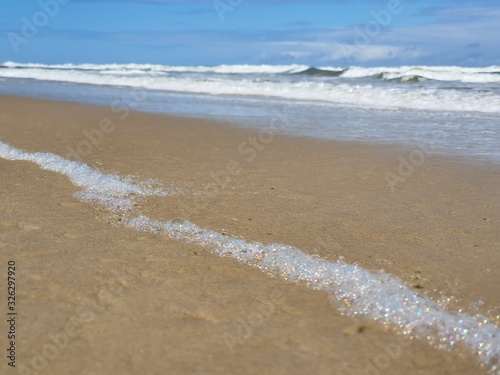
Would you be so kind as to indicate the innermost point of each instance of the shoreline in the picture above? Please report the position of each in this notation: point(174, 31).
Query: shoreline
point(436, 229)
point(138, 97)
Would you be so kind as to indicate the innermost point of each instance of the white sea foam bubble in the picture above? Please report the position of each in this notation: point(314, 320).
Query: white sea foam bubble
point(109, 190)
point(353, 290)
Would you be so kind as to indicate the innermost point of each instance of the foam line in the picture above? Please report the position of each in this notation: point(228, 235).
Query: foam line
point(111, 191)
point(354, 291)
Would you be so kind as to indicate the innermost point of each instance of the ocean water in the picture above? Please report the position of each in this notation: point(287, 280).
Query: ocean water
point(354, 291)
point(451, 110)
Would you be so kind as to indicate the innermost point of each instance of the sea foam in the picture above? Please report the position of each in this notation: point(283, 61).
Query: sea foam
point(111, 191)
point(354, 291)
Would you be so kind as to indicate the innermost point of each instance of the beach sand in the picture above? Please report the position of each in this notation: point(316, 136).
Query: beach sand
point(117, 301)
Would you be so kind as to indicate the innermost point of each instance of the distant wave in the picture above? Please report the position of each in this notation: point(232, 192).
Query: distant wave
point(361, 87)
point(403, 74)
point(222, 69)
point(311, 71)
point(417, 73)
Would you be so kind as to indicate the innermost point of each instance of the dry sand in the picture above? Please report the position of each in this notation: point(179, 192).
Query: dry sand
point(137, 303)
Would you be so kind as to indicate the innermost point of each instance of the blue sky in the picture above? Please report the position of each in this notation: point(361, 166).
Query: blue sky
point(212, 32)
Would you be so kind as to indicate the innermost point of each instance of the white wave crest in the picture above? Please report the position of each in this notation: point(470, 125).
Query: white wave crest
point(228, 69)
point(333, 93)
point(444, 73)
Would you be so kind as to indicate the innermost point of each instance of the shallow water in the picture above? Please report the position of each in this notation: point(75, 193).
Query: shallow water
point(449, 110)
